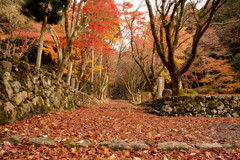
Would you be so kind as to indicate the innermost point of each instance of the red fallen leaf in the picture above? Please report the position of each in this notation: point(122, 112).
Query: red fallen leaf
point(188, 156)
point(75, 157)
point(6, 148)
point(42, 147)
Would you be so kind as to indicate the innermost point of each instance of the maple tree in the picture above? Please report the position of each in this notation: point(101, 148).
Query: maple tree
point(172, 15)
point(99, 37)
point(72, 25)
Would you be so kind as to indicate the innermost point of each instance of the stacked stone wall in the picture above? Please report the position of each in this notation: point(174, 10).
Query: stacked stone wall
point(25, 92)
point(198, 106)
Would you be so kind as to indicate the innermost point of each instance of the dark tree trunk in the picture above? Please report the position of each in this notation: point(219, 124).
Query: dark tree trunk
point(176, 84)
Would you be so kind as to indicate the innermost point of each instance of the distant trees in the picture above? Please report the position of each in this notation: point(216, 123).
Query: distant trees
point(130, 76)
point(173, 16)
point(11, 21)
point(236, 64)
point(142, 47)
point(227, 24)
point(47, 12)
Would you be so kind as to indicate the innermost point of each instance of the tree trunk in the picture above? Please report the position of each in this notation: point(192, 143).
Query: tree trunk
point(41, 41)
point(153, 91)
point(92, 74)
point(73, 83)
point(62, 68)
point(176, 85)
point(100, 64)
point(60, 56)
point(69, 73)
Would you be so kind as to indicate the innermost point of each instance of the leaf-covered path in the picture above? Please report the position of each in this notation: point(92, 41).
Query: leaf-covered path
point(120, 121)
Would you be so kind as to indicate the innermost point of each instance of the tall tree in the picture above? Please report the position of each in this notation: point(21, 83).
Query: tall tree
point(142, 45)
point(47, 12)
point(72, 24)
point(173, 16)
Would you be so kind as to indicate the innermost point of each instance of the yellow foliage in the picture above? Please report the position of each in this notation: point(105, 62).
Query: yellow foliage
point(51, 53)
point(180, 61)
point(98, 68)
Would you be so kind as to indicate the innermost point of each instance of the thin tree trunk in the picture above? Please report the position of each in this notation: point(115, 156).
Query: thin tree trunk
point(60, 56)
point(103, 86)
point(41, 41)
point(100, 64)
point(77, 84)
point(92, 74)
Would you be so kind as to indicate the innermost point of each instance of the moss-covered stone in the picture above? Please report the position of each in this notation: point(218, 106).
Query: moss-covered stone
point(180, 103)
point(212, 104)
point(3, 118)
point(199, 99)
point(41, 90)
point(208, 111)
point(68, 144)
point(178, 110)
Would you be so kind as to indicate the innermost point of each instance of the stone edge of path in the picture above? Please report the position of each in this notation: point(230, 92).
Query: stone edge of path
point(121, 145)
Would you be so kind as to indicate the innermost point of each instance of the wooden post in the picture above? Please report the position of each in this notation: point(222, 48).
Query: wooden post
point(161, 86)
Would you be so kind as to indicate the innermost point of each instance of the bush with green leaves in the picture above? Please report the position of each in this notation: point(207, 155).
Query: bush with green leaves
point(236, 61)
point(190, 91)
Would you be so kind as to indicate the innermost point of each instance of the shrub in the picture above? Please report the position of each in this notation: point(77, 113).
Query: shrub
point(190, 91)
point(236, 61)
point(182, 92)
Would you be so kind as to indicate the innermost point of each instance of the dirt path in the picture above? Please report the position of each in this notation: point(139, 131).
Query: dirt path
point(122, 121)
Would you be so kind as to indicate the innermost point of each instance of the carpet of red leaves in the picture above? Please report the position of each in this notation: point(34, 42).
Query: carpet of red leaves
point(125, 122)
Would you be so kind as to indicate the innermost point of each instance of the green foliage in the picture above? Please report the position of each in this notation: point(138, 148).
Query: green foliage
point(236, 61)
point(185, 92)
point(182, 93)
point(42, 8)
point(190, 91)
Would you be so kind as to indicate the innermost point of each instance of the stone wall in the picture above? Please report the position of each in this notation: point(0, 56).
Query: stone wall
point(198, 106)
point(24, 93)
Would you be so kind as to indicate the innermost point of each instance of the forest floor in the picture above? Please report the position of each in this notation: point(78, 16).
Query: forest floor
point(122, 121)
